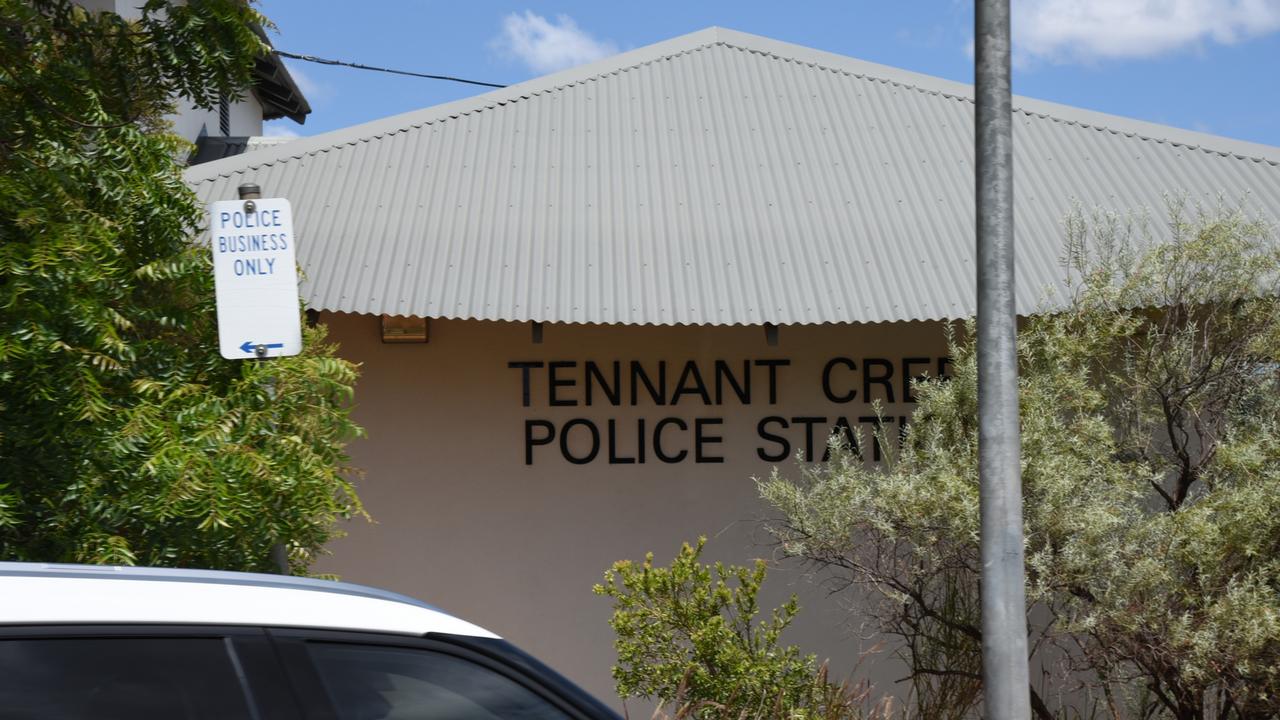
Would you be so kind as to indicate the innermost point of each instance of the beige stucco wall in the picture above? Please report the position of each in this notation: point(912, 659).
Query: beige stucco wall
point(463, 522)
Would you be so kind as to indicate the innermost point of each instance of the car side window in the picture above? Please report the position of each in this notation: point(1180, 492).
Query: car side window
point(120, 679)
point(374, 682)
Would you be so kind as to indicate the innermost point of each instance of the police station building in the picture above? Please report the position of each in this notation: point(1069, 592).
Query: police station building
point(589, 308)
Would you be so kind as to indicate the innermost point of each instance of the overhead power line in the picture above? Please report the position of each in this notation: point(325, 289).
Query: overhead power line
point(358, 66)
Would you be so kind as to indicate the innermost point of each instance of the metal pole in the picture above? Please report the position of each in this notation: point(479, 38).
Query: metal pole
point(1004, 629)
point(279, 557)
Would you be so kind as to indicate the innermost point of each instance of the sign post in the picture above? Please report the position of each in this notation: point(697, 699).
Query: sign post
point(1006, 690)
point(255, 273)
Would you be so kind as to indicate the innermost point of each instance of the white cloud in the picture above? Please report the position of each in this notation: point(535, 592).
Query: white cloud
point(546, 46)
point(316, 92)
point(277, 129)
point(1088, 30)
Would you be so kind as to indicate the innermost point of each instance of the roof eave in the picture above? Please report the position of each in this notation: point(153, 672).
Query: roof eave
point(275, 88)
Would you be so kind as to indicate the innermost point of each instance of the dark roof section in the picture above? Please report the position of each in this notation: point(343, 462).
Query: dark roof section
point(216, 147)
point(275, 89)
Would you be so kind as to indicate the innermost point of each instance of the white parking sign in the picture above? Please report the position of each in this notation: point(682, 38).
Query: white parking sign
point(256, 277)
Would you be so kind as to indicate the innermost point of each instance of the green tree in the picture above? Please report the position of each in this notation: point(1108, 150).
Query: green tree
point(124, 437)
point(1150, 411)
point(689, 637)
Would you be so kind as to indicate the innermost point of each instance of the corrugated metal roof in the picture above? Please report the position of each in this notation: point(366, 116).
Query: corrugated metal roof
point(716, 178)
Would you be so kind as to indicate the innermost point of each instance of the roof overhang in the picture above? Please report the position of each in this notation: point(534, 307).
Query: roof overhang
point(275, 88)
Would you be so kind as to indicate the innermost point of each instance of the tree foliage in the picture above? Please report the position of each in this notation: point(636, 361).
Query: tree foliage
point(688, 636)
point(1150, 412)
point(124, 437)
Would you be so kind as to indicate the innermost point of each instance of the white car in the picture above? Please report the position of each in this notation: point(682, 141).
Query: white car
point(84, 642)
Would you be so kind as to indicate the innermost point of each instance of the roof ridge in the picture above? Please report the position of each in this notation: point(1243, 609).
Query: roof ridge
point(844, 71)
point(482, 106)
point(716, 36)
point(1022, 110)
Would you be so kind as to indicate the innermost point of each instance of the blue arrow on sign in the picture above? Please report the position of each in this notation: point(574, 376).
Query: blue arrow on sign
point(249, 345)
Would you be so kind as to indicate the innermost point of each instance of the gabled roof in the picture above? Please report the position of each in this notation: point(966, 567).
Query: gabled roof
point(715, 178)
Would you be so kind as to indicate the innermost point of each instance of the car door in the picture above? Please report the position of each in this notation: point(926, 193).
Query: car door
point(369, 676)
point(117, 672)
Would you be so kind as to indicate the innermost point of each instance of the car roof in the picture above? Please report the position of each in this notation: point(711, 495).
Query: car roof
point(48, 593)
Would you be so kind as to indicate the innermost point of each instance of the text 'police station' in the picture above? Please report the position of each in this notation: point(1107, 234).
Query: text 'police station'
point(251, 232)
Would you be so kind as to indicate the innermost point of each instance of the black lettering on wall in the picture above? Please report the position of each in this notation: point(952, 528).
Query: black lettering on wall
point(564, 441)
point(944, 363)
point(884, 379)
point(773, 366)
point(554, 383)
point(657, 394)
point(530, 440)
point(583, 440)
point(690, 383)
point(595, 378)
point(851, 440)
point(657, 440)
point(845, 397)
point(701, 440)
point(524, 366)
point(784, 445)
point(614, 457)
point(808, 423)
point(742, 390)
point(908, 377)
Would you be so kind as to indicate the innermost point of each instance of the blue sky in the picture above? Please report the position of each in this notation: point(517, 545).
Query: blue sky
point(1207, 65)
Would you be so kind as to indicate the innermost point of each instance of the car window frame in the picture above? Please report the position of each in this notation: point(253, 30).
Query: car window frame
point(310, 689)
point(264, 683)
